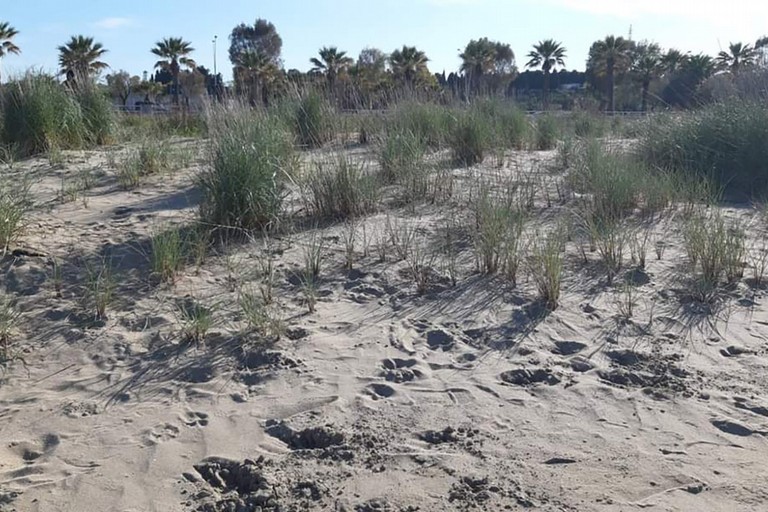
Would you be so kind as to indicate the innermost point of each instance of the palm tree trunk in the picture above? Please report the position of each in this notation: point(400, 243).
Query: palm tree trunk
point(176, 88)
point(546, 90)
point(611, 102)
point(644, 103)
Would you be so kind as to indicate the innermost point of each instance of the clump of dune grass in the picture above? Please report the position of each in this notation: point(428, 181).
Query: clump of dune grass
point(507, 124)
point(99, 120)
point(716, 250)
point(313, 120)
point(547, 268)
point(14, 204)
point(196, 320)
point(169, 253)
point(9, 320)
point(39, 113)
point(251, 159)
point(341, 188)
point(402, 161)
point(547, 131)
point(430, 123)
point(497, 237)
point(587, 125)
point(723, 142)
point(99, 287)
point(471, 139)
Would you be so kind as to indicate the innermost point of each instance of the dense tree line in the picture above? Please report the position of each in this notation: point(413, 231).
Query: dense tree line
point(621, 74)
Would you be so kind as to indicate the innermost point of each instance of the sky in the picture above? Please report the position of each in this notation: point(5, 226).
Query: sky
point(438, 27)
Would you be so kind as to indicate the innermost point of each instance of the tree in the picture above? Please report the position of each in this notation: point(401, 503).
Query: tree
point(79, 58)
point(408, 64)
point(608, 58)
point(261, 38)
point(547, 55)
point(121, 84)
point(253, 74)
point(370, 75)
point(737, 57)
point(673, 60)
point(761, 49)
point(7, 33)
point(192, 83)
point(175, 53)
point(684, 84)
point(332, 62)
point(483, 59)
point(646, 67)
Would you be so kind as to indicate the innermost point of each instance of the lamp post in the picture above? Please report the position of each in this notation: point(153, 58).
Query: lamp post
point(215, 71)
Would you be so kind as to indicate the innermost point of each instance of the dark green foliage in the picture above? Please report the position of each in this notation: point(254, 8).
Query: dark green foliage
point(727, 143)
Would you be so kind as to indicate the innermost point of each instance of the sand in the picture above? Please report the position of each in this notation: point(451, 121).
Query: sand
point(468, 397)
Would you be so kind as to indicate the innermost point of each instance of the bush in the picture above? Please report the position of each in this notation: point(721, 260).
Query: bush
point(341, 188)
point(40, 114)
point(547, 131)
point(726, 143)
point(470, 139)
point(252, 154)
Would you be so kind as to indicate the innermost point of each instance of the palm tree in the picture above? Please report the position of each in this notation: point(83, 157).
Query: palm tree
point(255, 70)
point(673, 60)
point(609, 57)
point(700, 67)
point(408, 63)
point(7, 33)
point(332, 62)
point(646, 67)
point(79, 58)
point(547, 55)
point(175, 53)
point(477, 59)
point(738, 55)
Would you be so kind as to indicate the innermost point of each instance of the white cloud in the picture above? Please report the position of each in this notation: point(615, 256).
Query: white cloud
point(113, 23)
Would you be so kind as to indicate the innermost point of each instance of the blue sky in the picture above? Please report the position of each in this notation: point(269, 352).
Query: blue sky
point(439, 27)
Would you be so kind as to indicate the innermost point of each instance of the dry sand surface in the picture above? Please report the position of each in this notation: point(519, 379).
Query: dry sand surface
point(468, 397)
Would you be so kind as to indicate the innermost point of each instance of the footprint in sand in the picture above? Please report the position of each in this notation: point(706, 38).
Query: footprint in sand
point(377, 391)
point(161, 434)
point(401, 370)
point(195, 419)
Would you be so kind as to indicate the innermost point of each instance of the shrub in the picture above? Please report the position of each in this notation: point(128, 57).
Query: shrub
point(341, 188)
point(547, 132)
point(725, 143)
point(251, 156)
point(40, 114)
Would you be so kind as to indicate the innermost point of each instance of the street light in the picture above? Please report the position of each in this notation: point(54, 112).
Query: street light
point(215, 71)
